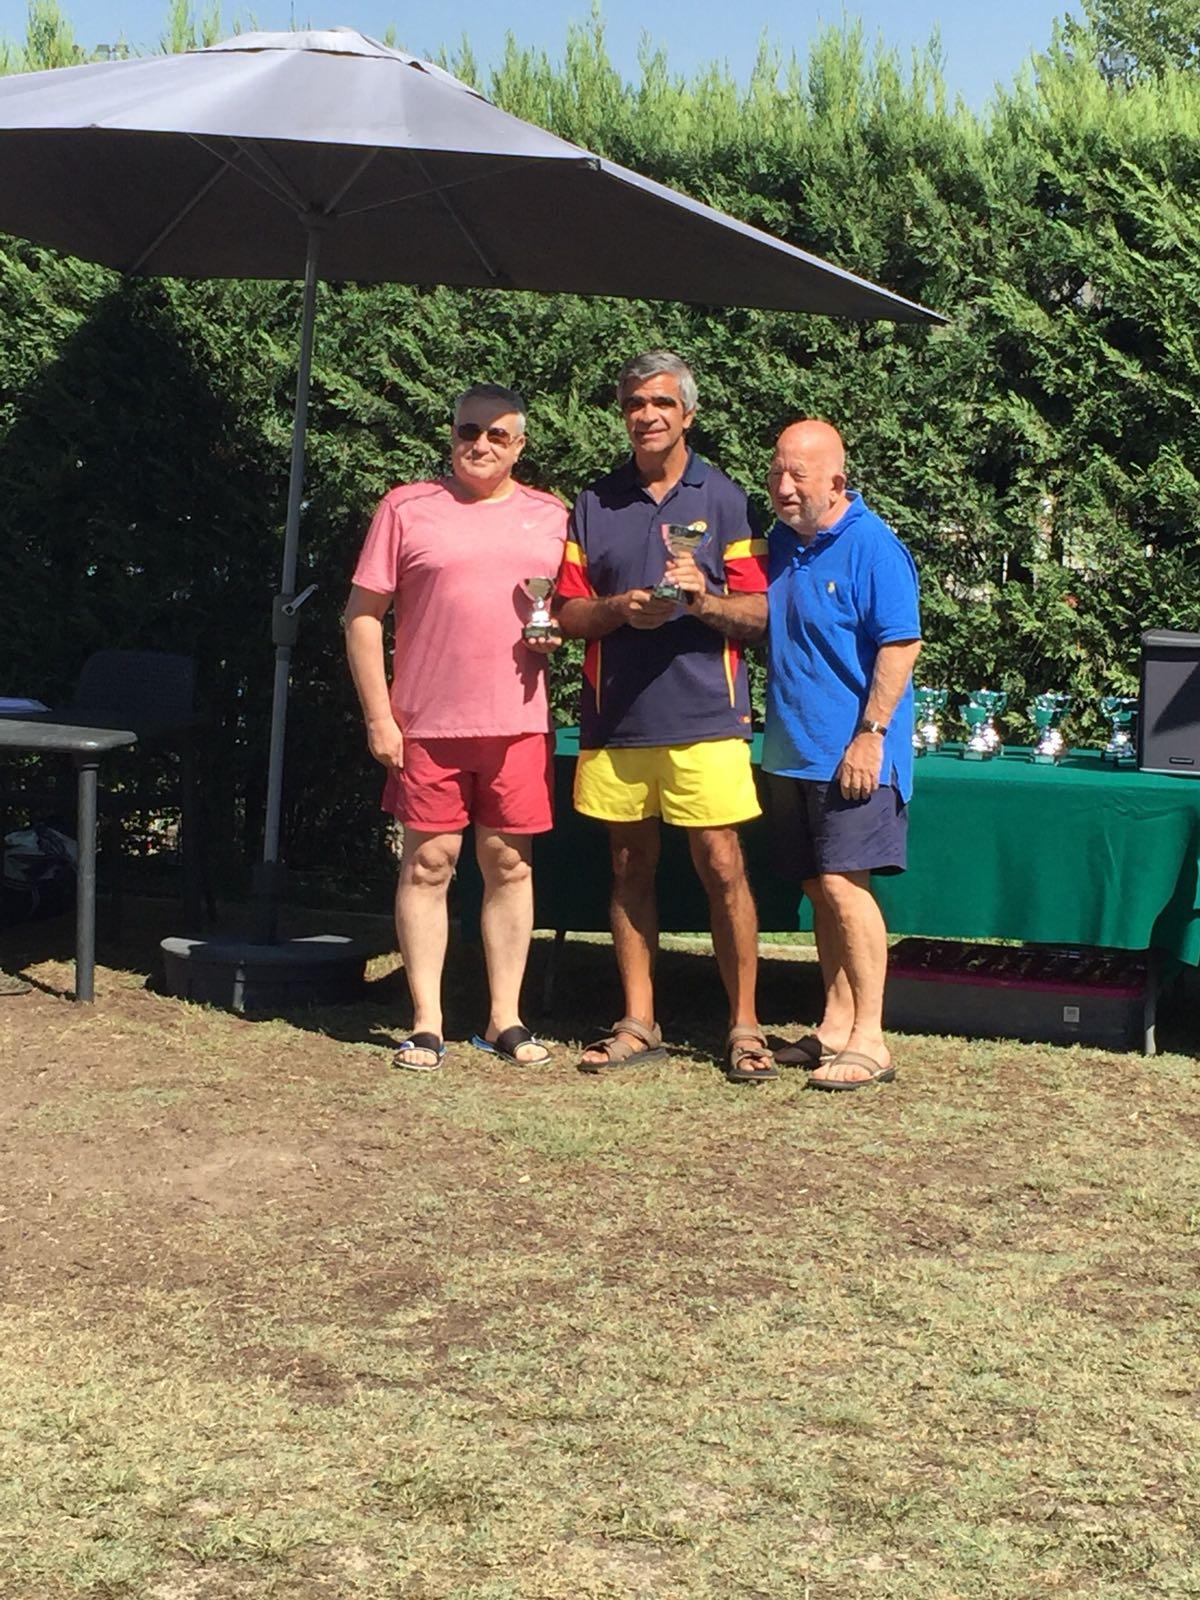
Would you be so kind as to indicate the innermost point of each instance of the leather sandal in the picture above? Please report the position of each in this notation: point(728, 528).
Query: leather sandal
point(854, 1058)
point(748, 1043)
point(620, 1052)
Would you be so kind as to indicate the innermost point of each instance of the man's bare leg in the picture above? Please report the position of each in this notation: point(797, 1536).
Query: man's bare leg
point(717, 857)
point(506, 926)
point(633, 913)
point(422, 926)
point(863, 936)
point(837, 1022)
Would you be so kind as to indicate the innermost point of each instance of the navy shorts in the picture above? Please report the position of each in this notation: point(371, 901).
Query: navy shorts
point(816, 829)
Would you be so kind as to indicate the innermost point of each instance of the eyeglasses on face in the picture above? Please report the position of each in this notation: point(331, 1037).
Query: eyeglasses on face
point(468, 432)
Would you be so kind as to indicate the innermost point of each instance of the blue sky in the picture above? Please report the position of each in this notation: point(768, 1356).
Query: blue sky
point(982, 44)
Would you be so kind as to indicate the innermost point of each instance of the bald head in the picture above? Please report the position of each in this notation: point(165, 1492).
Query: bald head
point(807, 479)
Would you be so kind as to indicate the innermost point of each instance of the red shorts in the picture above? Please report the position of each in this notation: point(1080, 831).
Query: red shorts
point(505, 783)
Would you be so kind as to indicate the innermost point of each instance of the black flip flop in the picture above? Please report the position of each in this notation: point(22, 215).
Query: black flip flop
point(507, 1043)
point(808, 1052)
point(420, 1041)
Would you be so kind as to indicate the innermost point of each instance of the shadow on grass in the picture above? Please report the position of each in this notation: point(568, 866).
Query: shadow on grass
point(586, 993)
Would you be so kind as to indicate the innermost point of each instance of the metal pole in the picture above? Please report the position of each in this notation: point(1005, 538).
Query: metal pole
point(85, 891)
point(284, 627)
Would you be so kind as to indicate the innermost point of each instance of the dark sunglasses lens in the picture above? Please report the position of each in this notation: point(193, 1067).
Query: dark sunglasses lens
point(468, 432)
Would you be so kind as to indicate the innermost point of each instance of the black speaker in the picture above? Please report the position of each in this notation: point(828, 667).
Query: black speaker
point(1169, 718)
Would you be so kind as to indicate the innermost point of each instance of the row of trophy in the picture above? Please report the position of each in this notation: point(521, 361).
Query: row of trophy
point(1046, 712)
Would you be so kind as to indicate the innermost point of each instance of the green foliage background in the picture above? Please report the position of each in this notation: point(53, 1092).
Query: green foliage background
point(1038, 454)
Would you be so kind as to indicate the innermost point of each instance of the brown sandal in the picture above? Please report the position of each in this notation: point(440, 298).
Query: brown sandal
point(620, 1052)
point(854, 1058)
point(746, 1042)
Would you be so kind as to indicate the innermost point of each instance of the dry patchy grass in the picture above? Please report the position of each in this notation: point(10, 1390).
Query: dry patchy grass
point(278, 1321)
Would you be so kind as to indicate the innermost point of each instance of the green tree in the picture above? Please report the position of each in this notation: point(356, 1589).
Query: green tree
point(49, 38)
point(1145, 37)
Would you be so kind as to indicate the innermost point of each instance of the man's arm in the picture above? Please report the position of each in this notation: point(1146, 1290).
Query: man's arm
point(862, 763)
point(735, 616)
point(363, 624)
point(594, 616)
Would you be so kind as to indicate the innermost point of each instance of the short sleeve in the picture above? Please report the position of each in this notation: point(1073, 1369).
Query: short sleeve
point(892, 611)
point(573, 582)
point(745, 557)
point(378, 566)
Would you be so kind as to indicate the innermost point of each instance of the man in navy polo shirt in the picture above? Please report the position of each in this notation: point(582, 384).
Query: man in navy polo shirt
point(844, 637)
point(665, 708)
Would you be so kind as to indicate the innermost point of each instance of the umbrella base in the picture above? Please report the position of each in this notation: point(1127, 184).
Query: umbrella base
point(237, 975)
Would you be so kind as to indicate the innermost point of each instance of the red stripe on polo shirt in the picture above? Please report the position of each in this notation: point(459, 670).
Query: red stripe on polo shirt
point(746, 566)
point(572, 575)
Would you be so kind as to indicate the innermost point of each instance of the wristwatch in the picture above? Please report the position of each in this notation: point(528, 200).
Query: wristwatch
point(867, 726)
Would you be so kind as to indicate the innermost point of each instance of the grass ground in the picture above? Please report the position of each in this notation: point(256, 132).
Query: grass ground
point(278, 1321)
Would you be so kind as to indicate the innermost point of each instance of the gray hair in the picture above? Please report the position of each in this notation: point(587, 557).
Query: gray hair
point(650, 363)
point(509, 398)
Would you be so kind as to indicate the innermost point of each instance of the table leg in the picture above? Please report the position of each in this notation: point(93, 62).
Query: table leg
point(85, 895)
point(551, 972)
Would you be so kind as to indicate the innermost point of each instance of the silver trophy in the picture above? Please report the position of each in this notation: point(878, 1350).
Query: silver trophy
point(994, 700)
point(1047, 713)
point(541, 624)
point(1121, 711)
point(928, 705)
point(979, 713)
point(977, 747)
point(680, 540)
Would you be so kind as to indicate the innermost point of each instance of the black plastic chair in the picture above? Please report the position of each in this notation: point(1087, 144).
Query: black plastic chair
point(153, 692)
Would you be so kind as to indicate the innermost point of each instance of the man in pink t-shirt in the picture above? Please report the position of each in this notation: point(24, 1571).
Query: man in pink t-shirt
point(464, 731)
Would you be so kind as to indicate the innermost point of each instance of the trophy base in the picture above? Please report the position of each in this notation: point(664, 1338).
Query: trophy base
point(668, 591)
point(978, 755)
point(536, 632)
point(1041, 759)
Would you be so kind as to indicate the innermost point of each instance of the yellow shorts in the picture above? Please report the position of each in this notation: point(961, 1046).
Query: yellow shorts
point(705, 785)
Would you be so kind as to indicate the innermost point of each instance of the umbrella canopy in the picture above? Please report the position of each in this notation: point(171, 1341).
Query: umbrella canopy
point(276, 155)
point(199, 165)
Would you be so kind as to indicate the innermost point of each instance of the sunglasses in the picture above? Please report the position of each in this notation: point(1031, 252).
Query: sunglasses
point(468, 432)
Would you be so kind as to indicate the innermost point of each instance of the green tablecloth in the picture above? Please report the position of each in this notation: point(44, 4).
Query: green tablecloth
point(1081, 853)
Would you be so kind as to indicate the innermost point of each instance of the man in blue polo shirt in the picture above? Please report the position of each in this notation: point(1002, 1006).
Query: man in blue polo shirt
point(665, 708)
point(844, 637)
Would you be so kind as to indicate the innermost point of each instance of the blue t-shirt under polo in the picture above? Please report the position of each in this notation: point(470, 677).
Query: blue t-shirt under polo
point(833, 602)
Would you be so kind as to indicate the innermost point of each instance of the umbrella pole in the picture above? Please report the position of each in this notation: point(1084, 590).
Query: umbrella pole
point(285, 621)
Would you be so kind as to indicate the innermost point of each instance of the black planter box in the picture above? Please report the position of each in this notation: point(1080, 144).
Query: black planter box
point(1034, 992)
